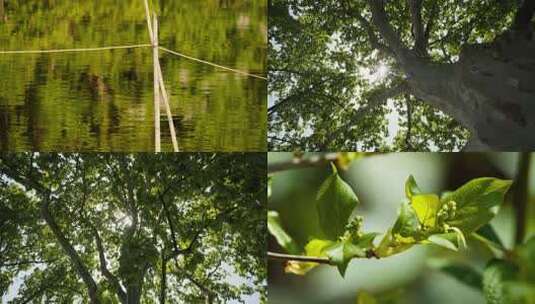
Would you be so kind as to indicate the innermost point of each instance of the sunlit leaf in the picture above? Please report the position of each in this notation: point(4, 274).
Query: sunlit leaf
point(426, 208)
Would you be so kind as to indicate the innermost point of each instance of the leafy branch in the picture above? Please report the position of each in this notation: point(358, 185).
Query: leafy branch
point(424, 218)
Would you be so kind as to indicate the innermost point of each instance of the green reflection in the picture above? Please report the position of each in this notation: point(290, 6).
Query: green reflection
point(102, 101)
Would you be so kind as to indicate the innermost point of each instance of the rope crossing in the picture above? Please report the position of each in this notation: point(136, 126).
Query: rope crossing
point(133, 46)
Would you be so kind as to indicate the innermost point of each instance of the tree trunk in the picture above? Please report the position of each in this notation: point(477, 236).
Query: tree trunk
point(133, 294)
point(490, 90)
point(80, 268)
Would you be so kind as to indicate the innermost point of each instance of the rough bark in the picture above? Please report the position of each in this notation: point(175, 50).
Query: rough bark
point(490, 90)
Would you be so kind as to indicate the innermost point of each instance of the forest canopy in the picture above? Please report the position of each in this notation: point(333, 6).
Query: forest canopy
point(401, 75)
point(145, 228)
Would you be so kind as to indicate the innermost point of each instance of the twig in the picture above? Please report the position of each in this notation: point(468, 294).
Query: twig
point(299, 258)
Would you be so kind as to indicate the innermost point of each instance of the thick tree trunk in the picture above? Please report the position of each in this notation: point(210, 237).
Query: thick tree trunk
point(490, 90)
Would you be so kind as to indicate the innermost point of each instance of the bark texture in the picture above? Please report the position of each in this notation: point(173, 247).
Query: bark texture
point(490, 90)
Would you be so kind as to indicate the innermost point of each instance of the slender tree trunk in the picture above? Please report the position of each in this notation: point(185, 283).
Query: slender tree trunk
point(133, 294)
point(79, 266)
point(163, 282)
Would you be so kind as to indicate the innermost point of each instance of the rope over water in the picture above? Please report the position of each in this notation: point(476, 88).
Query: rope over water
point(210, 63)
point(133, 46)
point(104, 48)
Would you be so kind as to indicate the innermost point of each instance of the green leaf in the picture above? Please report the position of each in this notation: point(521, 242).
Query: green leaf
point(426, 207)
point(411, 188)
point(477, 202)
point(335, 203)
point(342, 252)
point(315, 248)
point(283, 239)
point(487, 232)
point(496, 275)
point(407, 224)
point(464, 274)
point(445, 240)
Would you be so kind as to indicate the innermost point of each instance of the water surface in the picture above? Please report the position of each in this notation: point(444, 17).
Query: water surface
point(103, 101)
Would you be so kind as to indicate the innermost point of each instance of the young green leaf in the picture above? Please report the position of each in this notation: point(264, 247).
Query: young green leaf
point(407, 224)
point(314, 248)
point(446, 240)
point(283, 239)
point(477, 202)
point(335, 203)
point(342, 252)
point(426, 207)
point(411, 188)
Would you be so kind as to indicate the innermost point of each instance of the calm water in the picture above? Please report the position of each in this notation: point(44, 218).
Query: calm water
point(102, 101)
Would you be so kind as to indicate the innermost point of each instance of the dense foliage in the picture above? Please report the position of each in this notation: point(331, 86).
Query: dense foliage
point(399, 75)
point(132, 228)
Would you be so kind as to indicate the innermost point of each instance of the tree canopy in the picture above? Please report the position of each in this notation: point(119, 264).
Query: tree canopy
point(400, 75)
point(151, 228)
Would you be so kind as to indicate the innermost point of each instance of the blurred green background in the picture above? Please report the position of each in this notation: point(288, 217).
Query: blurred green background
point(378, 180)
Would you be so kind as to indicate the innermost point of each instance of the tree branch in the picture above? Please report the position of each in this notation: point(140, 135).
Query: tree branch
point(408, 144)
point(418, 31)
point(298, 258)
point(114, 282)
point(392, 38)
point(79, 265)
point(163, 283)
